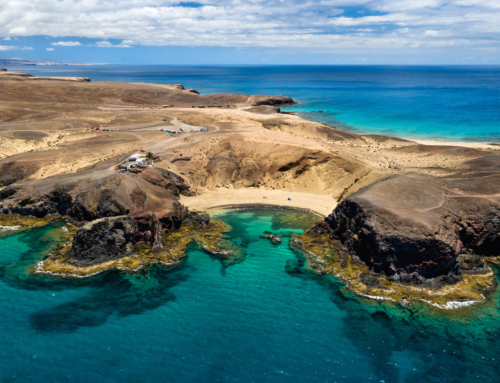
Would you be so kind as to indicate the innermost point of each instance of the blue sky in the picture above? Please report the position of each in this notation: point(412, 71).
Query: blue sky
point(252, 32)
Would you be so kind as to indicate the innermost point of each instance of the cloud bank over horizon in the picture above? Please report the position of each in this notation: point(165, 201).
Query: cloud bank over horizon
point(317, 26)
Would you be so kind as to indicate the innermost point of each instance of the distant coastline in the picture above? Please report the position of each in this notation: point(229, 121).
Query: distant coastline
point(20, 62)
point(438, 104)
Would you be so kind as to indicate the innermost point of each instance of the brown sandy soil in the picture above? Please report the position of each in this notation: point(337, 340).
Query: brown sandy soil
point(48, 129)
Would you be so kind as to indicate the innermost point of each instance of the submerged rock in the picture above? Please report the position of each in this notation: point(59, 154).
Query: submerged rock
point(275, 239)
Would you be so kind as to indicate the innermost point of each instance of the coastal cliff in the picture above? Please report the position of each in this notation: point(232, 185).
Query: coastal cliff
point(96, 193)
point(411, 237)
point(413, 228)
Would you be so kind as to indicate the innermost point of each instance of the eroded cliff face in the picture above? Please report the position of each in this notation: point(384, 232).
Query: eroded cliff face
point(91, 195)
point(416, 228)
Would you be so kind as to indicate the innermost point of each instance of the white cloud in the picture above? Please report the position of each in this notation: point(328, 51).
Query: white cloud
point(67, 44)
point(14, 48)
point(322, 24)
point(7, 38)
point(103, 44)
point(107, 44)
point(50, 49)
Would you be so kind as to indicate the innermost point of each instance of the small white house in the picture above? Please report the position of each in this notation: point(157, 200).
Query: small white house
point(137, 156)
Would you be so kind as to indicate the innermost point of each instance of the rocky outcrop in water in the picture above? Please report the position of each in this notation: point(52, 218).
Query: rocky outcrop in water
point(109, 238)
point(414, 228)
point(103, 239)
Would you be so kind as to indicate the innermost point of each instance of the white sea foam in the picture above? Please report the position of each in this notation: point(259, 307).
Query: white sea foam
point(376, 297)
point(10, 227)
point(452, 305)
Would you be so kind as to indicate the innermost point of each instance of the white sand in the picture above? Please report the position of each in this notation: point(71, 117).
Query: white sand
point(321, 204)
point(473, 145)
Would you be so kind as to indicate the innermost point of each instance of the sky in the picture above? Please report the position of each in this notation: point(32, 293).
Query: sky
point(214, 32)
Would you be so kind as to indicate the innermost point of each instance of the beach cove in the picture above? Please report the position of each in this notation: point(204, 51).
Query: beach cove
point(264, 318)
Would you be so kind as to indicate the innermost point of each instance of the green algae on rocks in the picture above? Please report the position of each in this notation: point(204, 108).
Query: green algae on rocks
point(208, 237)
point(325, 256)
point(13, 222)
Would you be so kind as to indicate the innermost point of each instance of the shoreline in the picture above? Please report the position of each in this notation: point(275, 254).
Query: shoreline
point(421, 141)
point(476, 145)
point(316, 204)
point(250, 206)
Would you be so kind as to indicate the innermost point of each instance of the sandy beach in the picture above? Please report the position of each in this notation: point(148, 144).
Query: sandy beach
point(472, 145)
point(320, 204)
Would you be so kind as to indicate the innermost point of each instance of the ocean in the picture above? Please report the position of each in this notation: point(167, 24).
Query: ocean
point(454, 103)
point(263, 319)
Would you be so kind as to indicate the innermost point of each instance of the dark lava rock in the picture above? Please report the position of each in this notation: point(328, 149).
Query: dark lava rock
point(321, 228)
point(195, 218)
point(275, 239)
point(272, 100)
point(264, 109)
point(418, 227)
point(96, 194)
point(103, 239)
point(370, 280)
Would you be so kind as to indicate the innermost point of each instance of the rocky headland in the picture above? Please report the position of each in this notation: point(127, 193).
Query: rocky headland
point(417, 237)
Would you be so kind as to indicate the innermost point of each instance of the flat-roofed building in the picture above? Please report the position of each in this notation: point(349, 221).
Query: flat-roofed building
point(137, 156)
point(126, 165)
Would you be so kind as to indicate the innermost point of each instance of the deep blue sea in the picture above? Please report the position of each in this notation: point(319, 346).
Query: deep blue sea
point(264, 319)
point(457, 103)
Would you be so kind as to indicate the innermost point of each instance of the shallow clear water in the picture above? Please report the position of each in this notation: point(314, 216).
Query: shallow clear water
point(460, 103)
point(264, 319)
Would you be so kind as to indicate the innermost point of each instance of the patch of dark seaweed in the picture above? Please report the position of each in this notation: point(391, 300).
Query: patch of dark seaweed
point(118, 294)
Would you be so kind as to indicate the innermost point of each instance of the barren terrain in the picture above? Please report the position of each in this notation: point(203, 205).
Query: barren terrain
point(48, 129)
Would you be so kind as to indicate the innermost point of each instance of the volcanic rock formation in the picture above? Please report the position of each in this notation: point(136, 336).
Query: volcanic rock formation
point(103, 239)
point(412, 228)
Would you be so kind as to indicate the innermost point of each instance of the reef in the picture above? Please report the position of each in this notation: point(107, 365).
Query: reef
point(15, 222)
point(325, 255)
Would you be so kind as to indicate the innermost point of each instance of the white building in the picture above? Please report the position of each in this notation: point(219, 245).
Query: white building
point(137, 156)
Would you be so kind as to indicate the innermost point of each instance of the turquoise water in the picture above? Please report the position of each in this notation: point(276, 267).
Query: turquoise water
point(265, 319)
point(460, 103)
